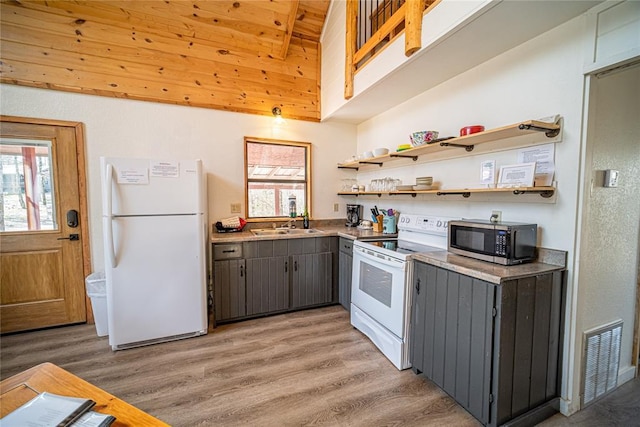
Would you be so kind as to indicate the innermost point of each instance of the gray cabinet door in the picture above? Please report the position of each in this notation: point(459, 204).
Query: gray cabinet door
point(418, 319)
point(529, 329)
point(494, 349)
point(267, 285)
point(311, 279)
point(345, 270)
point(453, 344)
point(229, 289)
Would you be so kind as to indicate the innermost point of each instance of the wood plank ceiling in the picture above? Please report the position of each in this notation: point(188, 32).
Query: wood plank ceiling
point(236, 55)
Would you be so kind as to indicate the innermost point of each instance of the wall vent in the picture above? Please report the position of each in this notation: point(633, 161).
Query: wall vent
point(601, 359)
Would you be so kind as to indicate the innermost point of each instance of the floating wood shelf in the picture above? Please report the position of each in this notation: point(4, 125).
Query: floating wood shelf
point(467, 142)
point(545, 192)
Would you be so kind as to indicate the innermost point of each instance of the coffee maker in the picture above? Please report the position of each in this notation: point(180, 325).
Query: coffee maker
point(354, 215)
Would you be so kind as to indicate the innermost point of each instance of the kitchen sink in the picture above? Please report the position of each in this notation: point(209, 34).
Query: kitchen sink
point(283, 231)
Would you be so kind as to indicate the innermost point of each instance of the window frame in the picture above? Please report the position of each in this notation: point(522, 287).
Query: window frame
point(307, 180)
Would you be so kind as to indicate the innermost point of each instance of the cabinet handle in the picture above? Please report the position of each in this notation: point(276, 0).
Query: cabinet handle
point(418, 286)
point(295, 265)
point(286, 266)
point(228, 251)
point(242, 271)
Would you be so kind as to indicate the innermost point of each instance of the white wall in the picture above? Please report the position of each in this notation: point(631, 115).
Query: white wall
point(608, 259)
point(126, 128)
point(541, 77)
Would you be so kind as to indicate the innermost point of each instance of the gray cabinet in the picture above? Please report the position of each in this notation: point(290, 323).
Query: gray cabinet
point(267, 276)
point(312, 275)
point(272, 276)
point(493, 348)
point(229, 295)
point(345, 269)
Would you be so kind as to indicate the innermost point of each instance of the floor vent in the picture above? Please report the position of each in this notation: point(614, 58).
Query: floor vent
point(601, 359)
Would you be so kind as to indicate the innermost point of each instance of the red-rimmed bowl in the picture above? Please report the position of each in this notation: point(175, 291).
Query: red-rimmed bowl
point(468, 130)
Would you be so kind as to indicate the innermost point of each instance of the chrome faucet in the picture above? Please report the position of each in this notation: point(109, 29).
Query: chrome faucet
point(290, 224)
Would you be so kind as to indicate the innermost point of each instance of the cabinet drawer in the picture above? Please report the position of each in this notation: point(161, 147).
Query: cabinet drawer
point(227, 251)
point(346, 245)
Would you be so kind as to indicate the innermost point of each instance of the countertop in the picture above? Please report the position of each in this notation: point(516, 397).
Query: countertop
point(549, 260)
point(353, 233)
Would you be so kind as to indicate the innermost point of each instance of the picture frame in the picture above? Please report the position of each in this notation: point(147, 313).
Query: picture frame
point(518, 175)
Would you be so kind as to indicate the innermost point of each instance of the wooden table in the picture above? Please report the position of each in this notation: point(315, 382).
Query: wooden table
point(24, 386)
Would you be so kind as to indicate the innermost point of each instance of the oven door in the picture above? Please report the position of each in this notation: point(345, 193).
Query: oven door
point(378, 288)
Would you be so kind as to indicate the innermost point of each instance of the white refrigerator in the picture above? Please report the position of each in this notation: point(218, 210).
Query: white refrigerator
point(155, 232)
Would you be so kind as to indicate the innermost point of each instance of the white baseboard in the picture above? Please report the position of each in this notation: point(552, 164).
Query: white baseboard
point(566, 408)
point(626, 374)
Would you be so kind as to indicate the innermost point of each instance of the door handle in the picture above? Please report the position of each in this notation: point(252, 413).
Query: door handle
point(418, 286)
point(71, 237)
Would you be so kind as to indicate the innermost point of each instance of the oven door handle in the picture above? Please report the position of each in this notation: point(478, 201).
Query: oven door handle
point(363, 253)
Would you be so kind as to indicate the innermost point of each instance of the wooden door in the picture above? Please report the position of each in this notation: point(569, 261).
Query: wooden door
point(42, 270)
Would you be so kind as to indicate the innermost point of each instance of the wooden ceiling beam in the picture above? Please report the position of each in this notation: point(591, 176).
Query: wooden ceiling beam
point(297, 107)
point(233, 55)
point(288, 31)
point(59, 36)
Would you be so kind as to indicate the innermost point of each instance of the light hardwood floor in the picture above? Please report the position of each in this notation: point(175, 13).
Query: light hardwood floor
point(309, 367)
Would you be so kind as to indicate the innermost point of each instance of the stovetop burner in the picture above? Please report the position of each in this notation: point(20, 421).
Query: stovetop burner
point(402, 247)
point(416, 234)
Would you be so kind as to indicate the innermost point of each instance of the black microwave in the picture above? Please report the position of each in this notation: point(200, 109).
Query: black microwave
point(505, 243)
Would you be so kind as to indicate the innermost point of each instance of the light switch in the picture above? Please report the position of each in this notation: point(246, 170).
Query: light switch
point(611, 178)
point(235, 207)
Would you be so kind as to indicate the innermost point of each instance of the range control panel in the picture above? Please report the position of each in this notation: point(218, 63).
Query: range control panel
point(425, 223)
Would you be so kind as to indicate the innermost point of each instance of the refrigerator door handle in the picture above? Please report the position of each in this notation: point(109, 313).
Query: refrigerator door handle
point(109, 215)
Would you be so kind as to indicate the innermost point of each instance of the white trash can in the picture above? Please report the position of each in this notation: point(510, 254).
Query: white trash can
point(97, 291)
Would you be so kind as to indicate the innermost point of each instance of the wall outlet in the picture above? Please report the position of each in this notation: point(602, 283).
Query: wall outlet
point(235, 207)
point(336, 207)
point(496, 216)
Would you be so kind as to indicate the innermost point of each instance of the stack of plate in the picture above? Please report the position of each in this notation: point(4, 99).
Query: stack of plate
point(423, 183)
point(404, 187)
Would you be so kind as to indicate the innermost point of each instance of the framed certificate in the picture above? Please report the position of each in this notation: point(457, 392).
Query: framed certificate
point(520, 175)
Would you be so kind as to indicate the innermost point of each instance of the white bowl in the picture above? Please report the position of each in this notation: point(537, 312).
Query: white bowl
point(366, 155)
point(380, 151)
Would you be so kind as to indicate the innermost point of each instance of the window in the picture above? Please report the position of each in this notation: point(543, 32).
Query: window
point(274, 172)
point(27, 201)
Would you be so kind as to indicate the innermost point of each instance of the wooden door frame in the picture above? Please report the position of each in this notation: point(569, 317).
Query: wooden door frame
point(78, 128)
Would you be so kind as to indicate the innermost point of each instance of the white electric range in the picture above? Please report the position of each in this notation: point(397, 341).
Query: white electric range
point(381, 282)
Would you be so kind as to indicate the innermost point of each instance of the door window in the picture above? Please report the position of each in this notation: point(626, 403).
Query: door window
point(26, 187)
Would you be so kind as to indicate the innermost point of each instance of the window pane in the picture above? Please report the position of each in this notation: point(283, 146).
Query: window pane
point(271, 199)
point(27, 197)
point(278, 162)
point(276, 170)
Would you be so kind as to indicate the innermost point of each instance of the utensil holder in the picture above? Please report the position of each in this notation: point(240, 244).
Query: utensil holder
point(377, 226)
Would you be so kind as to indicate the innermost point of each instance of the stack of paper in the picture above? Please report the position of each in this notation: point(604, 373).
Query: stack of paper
point(47, 409)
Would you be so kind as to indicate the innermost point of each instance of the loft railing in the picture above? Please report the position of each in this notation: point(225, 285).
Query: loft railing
point(371, 24)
